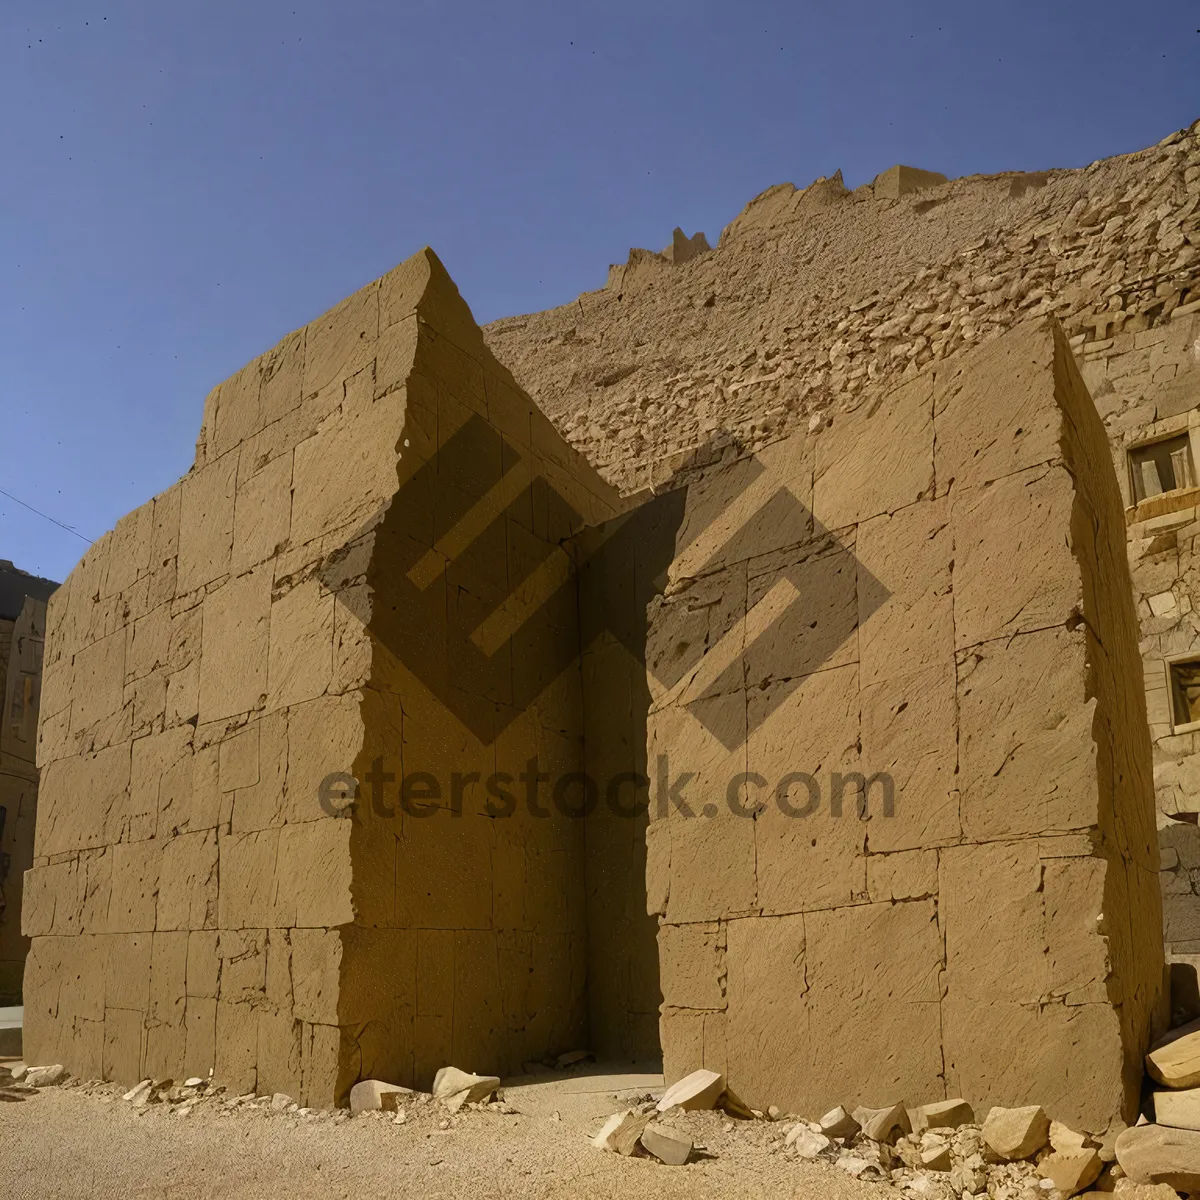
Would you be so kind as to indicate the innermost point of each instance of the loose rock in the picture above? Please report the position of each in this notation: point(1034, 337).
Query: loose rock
point(884, 1124)
point(40, 1077)
point(1015, 1133)
point(838, 1123)
point(699, 1090)
point(139, 1094)
point(944, 1114)
point(669, 1146)
point(1160, 1154)
point(370, 1095)
point(601, 1139)
point(806, 1143)
point(937, 1158)
point(1071, 1170)
point(456, 1088)
point(1175, 1059)
point(625, 1138)
point(1181, 1110)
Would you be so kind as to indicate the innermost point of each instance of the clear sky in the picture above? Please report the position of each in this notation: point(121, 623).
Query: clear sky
point(184, 183)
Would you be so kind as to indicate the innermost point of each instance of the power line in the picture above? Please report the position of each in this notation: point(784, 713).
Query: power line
point(46, 516)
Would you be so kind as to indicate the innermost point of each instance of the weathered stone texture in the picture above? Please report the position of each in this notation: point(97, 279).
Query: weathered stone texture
point(966, 631)
point(300, 605)
point(894, 656)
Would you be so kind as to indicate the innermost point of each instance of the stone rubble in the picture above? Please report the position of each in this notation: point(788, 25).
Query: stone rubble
point(884, 1124)
point(700, 1089)
point(838, 1123)
point(44, 1076)
point(1175, 1059)
point(1159, 1154)
point(454, 1088)
point(374, 1094)
point(1016, 1133)
point(667, 1145)
point(1181, 1109)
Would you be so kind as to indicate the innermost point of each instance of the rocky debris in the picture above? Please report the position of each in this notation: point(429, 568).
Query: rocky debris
point(936, 1157)
point(667, 1145)
point(1127, 1190)
point(1181, 1110)
point(969, 1176)
point(1175, 1059)
point(626, 1137)
point(883, 1124)
point(454, 1088)
point(39, 1077)
point(1160, 1154)
point(1016, 1133)
point(838, 1123)
point(852, 1164)
point(944, 1114)
point(374, 1095)
point(806, 1142)
point(699, 1090)
point(1071, 1170)
point(139, 1094)
point(601, 1138)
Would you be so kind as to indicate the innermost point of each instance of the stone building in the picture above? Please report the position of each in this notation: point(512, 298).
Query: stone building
point(343, 739)
point(22, 630)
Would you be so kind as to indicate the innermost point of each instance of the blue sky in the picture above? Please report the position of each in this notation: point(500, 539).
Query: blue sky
point(184, 182)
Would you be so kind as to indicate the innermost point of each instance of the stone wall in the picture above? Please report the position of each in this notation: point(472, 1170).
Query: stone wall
point(961, 623)
point(820, 301)
point(297, 711)
point(22, 631)
point(1147, 386)
point(302, 606)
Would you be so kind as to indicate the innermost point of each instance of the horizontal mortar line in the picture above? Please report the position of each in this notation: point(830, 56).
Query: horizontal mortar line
point(469, 527)
point(501, 623)
point(732, 645)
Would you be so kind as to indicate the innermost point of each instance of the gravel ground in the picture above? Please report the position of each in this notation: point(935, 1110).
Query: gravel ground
point(85, 1141)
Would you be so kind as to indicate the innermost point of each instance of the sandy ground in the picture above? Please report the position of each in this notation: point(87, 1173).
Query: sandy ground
point(86, 1142)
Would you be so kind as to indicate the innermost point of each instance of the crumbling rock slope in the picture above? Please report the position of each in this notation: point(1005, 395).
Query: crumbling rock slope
point(822, 296)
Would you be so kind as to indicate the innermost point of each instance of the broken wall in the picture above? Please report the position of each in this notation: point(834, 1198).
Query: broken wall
point(324, 598)
point(954, 628)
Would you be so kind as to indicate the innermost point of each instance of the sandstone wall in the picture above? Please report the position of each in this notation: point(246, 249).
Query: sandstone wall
point(21, 640)
point(964, 625)
point(819, 301)
point(303, 604)
point(1147, 387)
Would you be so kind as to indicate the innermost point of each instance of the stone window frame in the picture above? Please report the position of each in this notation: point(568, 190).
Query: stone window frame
point(1165, 502)
point(1168, 662)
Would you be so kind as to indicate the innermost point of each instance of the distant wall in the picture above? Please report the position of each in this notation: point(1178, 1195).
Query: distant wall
point(21, 642)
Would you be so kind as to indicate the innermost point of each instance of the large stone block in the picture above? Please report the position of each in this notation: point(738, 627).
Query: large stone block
point(965, 891)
